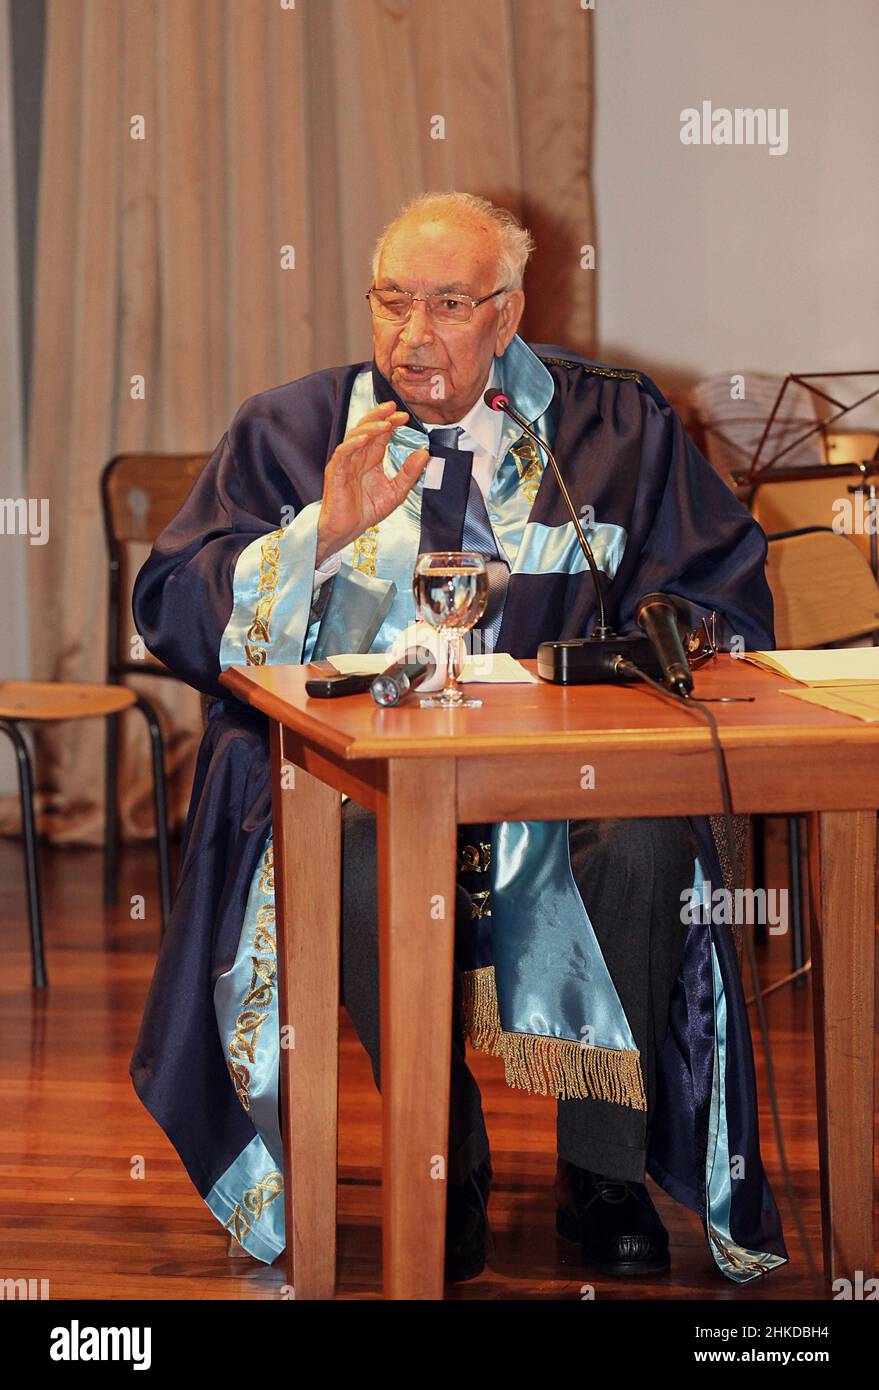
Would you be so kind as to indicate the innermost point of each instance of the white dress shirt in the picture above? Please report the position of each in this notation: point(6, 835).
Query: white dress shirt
point(482, 432)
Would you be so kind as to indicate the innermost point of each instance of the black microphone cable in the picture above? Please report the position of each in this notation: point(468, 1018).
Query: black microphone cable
point(699, 711)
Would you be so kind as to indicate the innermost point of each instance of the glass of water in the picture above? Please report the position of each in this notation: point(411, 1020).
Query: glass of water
point(451, 591)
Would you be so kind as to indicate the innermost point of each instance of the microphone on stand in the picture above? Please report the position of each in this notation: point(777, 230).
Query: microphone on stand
point(499, 400)
point(582, 660)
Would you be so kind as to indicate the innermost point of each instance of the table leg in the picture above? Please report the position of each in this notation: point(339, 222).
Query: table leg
point(843, 870)
point(307, 835)
point(416, 862)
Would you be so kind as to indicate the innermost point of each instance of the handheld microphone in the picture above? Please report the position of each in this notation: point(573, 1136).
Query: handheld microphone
point(581, 660)
point(656, 616)
point(402, 677)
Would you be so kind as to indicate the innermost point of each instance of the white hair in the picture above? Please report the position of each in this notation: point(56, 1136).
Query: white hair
point(516, 241)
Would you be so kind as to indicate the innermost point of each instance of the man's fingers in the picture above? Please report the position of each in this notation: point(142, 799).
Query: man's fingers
point(387, 419)
point(381, 429)
point(360, 453)
point(383, 408)
point(359, 438)
point(411, 470)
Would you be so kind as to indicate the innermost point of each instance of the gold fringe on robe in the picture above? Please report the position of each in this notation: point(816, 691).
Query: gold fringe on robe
point(562, 1067)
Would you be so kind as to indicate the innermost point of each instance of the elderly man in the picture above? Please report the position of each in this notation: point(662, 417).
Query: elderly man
point(574, 962)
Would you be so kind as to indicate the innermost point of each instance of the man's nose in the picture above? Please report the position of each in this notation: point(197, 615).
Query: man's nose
point(418, 328)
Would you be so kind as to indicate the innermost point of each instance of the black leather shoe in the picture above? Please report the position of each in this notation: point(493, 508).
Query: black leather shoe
point(467, 1225)
point(615, 1222)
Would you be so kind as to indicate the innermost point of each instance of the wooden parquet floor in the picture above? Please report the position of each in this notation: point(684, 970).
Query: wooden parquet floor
point(71, 1127)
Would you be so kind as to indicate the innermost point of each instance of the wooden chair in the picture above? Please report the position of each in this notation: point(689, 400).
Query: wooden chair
point(824, 593)
point(140, 495)
point(807, 498)
point(823, 589)
point(39, 701)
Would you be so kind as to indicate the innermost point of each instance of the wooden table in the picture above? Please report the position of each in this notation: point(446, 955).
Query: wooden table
point(520, 757)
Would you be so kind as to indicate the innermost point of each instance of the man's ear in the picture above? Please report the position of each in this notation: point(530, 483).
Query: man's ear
point(509, 317)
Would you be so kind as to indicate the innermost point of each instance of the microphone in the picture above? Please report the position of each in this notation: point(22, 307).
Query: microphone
point(499, 400)
point(655, 614)
point(403, 676)
point(581, 660)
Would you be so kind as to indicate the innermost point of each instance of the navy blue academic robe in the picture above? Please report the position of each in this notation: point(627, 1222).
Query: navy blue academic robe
point(229, 582)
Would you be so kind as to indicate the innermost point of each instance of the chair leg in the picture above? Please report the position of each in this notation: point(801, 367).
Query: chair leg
point(797, 942)
point(111, 799)
point(157, 748)
point(29, 835)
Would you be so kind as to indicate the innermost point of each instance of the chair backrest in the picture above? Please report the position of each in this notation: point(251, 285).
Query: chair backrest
point(822, 587)
point(140, 494)
point(790, 504)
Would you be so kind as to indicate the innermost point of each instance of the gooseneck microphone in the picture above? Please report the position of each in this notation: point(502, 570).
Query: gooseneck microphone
point(499, 400)
point(656, 616)
point(599, 658)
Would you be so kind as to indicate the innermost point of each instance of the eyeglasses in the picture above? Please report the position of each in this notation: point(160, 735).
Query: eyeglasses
point(395, 306)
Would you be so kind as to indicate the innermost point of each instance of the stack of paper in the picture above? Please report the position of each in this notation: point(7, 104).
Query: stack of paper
point(845, 679)
point(826, 666)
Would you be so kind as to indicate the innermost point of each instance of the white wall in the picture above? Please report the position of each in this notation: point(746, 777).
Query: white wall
point(714, 258)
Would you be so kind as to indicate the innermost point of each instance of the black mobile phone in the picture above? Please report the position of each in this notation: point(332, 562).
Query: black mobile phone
point(329, 687)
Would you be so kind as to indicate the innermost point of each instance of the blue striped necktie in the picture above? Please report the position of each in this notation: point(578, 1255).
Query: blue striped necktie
point(479, 537)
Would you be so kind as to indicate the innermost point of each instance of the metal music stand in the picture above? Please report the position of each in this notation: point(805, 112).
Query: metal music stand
point(805, 380)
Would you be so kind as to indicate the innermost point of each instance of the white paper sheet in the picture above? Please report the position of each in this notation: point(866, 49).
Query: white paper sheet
point(491, 668)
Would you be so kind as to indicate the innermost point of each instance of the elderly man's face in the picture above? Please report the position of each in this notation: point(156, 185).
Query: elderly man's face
point(441, 369)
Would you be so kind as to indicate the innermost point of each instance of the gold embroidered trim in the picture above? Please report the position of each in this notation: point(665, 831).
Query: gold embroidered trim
point(559, 1067)
point(366, 550)
point(257, 639)
point(267, 871)
point(596, 371)
point(255, 1201)
point(256, 1004)
point(529, 462)
point(481, 905)
point(476, 859)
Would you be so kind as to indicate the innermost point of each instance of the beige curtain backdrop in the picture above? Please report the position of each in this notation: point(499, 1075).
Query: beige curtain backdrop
point(266, 124)
point(14, 659)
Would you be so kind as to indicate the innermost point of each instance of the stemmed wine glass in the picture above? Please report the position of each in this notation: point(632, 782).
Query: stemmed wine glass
point(451, 591)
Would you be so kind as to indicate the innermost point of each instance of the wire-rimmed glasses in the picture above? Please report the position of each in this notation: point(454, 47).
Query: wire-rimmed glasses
point(395, 305)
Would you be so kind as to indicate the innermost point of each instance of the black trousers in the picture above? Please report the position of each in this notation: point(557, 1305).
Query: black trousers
point(631, 875)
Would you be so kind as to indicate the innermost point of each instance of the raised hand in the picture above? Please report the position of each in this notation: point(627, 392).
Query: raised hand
point(357, 494)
